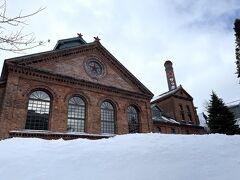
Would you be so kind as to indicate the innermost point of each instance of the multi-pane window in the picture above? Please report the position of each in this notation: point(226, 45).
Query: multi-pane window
point(156, 113)
point(38, 111)
point(76, 114)
point(107, 118)
point(133, 121)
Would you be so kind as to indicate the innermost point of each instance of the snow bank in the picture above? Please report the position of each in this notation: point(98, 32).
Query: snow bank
point(125, 157)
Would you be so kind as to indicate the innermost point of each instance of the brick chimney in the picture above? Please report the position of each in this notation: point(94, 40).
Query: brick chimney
point(170, 75)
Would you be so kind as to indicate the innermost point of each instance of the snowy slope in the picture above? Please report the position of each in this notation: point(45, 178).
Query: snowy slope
point(125, 157)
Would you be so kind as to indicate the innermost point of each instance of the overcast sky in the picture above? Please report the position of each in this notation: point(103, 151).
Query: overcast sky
point(196, 35)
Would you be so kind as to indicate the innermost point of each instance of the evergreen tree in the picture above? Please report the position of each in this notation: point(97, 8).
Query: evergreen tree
point(220, 118)
point(237, 49)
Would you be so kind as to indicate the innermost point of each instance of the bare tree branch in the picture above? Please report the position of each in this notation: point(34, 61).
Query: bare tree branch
point(16, 41)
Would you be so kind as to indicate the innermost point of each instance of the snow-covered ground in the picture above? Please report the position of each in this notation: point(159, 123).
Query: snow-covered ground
point(125, 157)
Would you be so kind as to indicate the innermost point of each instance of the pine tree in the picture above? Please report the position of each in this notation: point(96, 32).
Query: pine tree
point(237, 49)
point(220, 118)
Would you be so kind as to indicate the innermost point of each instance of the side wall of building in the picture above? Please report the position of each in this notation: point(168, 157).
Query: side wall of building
point(2, 91)
point(167, 106)
point(176, 129)
point(188, 111)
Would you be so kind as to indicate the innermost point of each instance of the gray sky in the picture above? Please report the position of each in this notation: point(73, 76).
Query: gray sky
point(196, 35)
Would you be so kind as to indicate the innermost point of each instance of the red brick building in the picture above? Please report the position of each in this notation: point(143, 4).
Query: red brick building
point(78, 89)
point(174, 111)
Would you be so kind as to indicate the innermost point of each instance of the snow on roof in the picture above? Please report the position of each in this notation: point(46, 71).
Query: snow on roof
point(165, 94)
point(165, 119)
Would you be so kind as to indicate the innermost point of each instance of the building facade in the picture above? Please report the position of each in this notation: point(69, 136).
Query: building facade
point(77, 88)
point(174, 111)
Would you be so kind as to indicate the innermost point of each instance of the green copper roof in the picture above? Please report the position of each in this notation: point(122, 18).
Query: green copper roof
point(69, 43)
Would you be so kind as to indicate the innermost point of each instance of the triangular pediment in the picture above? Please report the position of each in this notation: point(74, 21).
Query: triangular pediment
point(178, 92)
point(89, 62)
point(182, 93)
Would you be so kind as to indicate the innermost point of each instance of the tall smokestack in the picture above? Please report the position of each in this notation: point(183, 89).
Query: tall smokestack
point(170, 75)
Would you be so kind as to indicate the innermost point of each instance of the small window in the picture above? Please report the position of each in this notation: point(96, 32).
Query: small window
point(182, 115)
point(181, 107)
point(158, 130)
point(188, 108)
point(190, 116)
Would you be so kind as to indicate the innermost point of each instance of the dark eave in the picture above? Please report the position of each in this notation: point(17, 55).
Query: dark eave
point(42, 56)
point(2, 83)
point(45, 55)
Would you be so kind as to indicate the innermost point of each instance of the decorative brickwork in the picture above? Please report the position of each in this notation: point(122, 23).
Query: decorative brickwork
point(61, 74)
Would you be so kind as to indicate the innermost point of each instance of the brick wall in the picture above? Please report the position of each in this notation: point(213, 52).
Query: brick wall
point(19, 87)
point(184, 103)
point(2, 90)
point(171, 106)
point(167, 106)
point(177, 129)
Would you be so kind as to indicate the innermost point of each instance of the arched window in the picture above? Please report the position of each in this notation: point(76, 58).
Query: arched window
point(156, 113)
point(76, 114)
point(38, 111)
point(133, 120)
point(107, 118)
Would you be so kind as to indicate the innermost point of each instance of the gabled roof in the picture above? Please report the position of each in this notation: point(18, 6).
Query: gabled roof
point(170, 93)
point(69, 46)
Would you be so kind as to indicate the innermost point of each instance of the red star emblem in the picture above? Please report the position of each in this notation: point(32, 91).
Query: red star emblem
point(93, 68)
point(97, 39)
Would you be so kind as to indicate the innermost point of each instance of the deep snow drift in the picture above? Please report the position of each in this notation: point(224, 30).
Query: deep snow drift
point(125, 157)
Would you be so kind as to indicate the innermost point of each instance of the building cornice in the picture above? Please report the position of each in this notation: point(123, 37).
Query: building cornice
point(2, 83)
point(50, 55)
point(49, 76)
